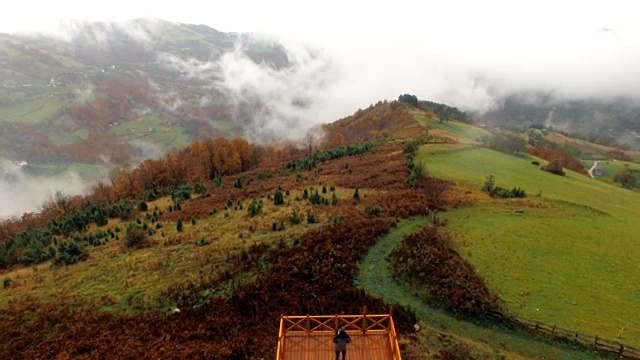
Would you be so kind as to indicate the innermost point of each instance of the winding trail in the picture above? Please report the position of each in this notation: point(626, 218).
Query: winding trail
point(595, 164)
point(375, 275)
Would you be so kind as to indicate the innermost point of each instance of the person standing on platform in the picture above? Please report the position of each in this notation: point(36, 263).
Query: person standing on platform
point(340, 342)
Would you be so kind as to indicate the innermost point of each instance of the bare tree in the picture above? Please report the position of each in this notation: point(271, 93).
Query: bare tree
point(59, 202)
point(309, 141)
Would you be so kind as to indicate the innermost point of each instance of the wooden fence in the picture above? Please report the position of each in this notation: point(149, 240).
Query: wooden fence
point(568, 336)
point(375, 323)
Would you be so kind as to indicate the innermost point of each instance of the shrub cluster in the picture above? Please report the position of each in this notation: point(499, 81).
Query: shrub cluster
point(310, 161)
point(372, 210)
point(70, 253)
point(97, 213)
point(135, 235)
point(499, 192)
point(294, 218)
point(427, 260)
point(278, 198)
point(255, 207)
point(181, 193)
point(317, 199)
point(416, 171)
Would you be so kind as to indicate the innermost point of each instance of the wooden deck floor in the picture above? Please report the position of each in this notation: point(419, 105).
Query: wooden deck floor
point(374, 345)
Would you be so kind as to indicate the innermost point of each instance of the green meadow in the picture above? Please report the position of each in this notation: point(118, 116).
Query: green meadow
point(565, 255)
point(485, 342)
point(613, 167)
point(32, 111)
point(455, 129)
point(155, 129)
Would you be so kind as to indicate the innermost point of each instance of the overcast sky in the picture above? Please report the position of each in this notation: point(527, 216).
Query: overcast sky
point(455, 20)
point(443, 50)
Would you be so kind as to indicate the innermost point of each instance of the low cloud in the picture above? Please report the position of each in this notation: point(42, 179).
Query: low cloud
point(101, 33)
point(329, 78)
point(83, 95)
point(189, 68)
point(282, 102)
point(21, 192)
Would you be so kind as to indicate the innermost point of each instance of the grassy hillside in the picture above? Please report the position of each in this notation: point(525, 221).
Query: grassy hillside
point(565, 255)
point(453, 130)
point(121, 279)
point(440, 329)
point(60, 101)
point(612, 167)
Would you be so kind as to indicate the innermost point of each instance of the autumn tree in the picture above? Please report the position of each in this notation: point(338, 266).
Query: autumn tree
point(244, 151)
point(102, 193)
point(122, 183)
point(227, 159)
point(336, 140)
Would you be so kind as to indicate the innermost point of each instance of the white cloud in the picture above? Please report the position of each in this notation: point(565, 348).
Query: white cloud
point(20, 192)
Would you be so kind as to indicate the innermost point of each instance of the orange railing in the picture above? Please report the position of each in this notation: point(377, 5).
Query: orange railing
point(376, 323)
point(280, 340)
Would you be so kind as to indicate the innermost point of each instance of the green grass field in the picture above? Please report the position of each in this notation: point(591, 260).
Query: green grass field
point(375, 277)
point(86, 171)
point(89, 171)
point(63, 138)
point(222, 125)
point(460, 131)
point(154, 129)
point(612, 167)
point(566, 257)
point(32, 111)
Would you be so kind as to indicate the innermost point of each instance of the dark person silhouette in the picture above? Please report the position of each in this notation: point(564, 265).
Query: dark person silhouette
point(340, 341)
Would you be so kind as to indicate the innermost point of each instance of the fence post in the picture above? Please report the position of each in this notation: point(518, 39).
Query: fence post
point(308, 329)
point(336, 323)
point(553, 330)
point(364, 321)
point(621, 350)
point(595, 343)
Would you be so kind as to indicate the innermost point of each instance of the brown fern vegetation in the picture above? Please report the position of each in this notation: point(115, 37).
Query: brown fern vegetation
point(428, 261)
point(619, 155)
point(313, 277)
point(566, 160)
point(383, 119)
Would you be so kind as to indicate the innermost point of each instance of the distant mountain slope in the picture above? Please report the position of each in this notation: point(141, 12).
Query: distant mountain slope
point(610, 122)
point(107, 93)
